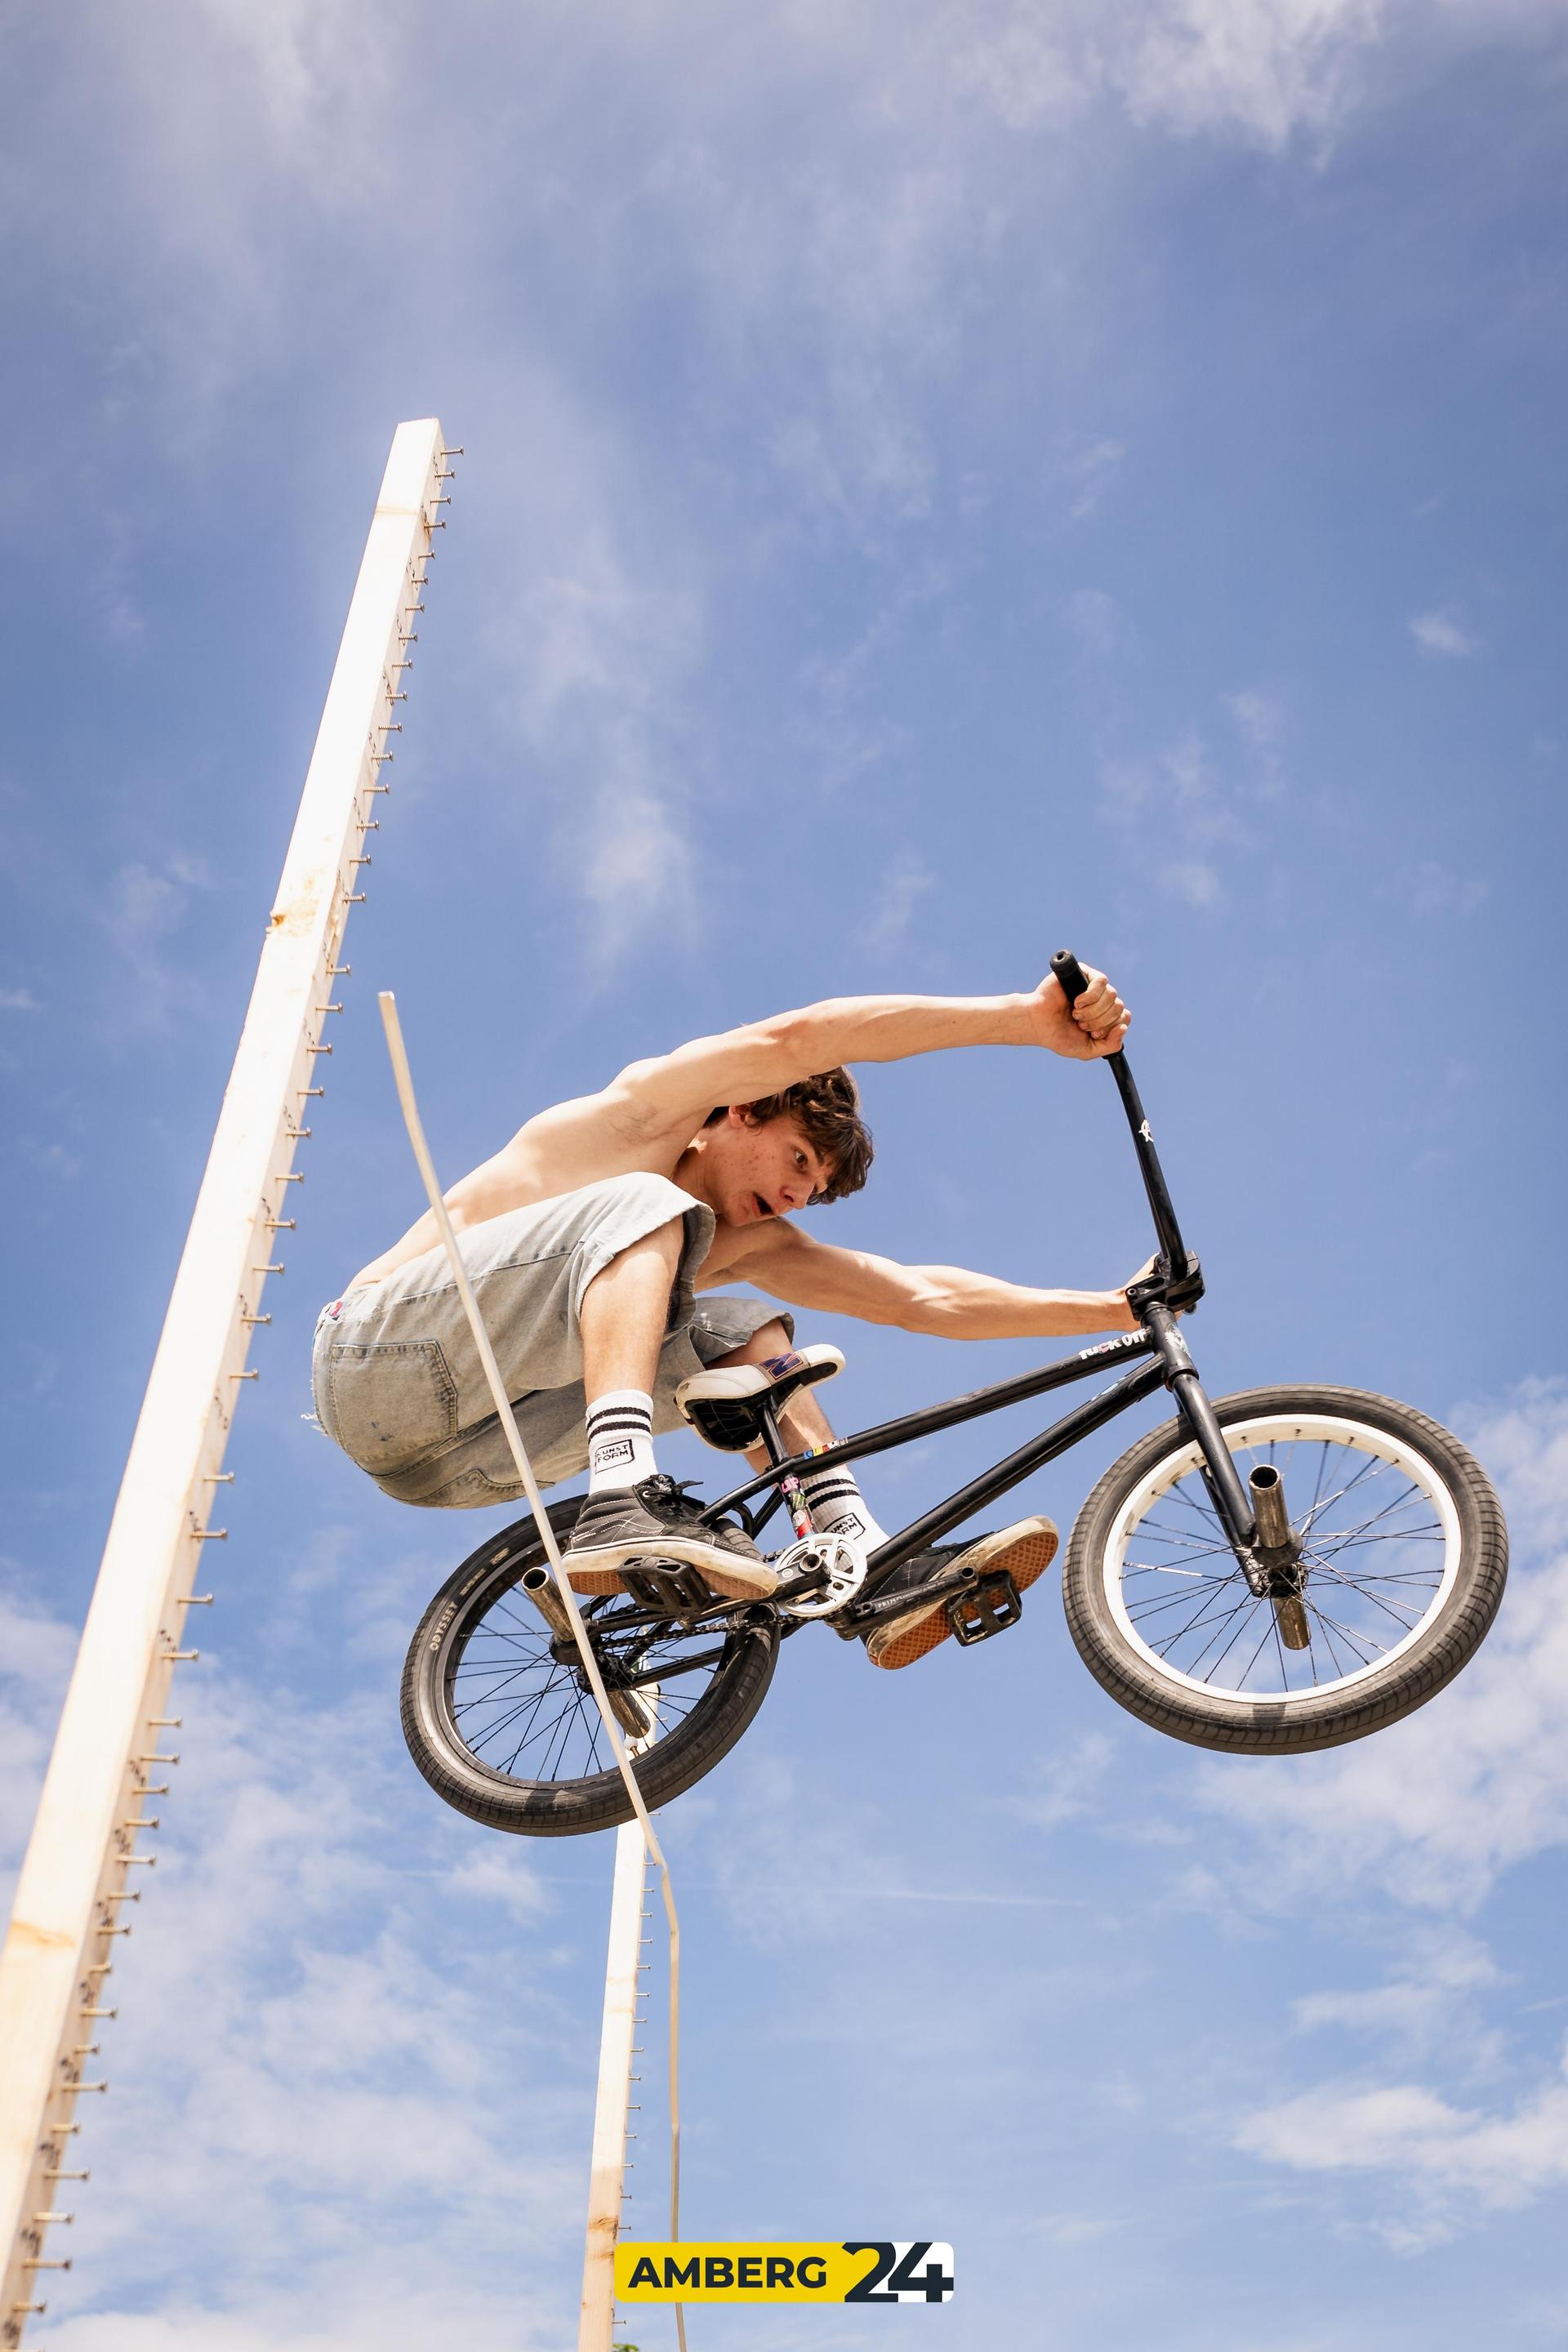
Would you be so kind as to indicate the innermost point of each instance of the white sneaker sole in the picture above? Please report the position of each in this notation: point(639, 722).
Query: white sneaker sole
point(1026, 1550)
point(594, 1570)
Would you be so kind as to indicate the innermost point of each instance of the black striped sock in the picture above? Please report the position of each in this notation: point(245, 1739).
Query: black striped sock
point(620, 1440)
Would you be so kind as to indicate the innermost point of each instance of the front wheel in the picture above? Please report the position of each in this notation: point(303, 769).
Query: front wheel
point(1404, 1561)
point(500, 1718)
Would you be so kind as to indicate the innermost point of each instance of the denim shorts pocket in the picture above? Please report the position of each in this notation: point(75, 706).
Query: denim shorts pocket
point(389, 1401)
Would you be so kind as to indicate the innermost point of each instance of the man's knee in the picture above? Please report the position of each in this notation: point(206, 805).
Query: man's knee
point(641, 1198)
point(771, 1339)
point(662, 1246)
point(651, 1211)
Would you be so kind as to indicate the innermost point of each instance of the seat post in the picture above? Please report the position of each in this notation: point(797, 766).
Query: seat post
point(792, 1490)
point(773, 1436)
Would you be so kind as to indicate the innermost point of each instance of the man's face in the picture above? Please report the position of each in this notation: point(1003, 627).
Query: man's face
point(757, 1172)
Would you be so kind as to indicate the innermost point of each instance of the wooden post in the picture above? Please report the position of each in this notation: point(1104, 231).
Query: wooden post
point(112, 1747)
point(607, 2177)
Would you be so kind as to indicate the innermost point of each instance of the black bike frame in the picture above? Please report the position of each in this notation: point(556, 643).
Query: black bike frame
point(1081, 1423)
point(1175, 1283)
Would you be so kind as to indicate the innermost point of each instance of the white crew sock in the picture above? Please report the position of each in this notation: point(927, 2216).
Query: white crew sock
point(839, 1509)
point(620, 1440)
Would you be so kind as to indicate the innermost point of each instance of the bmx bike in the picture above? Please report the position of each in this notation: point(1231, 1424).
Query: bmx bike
point(1272, 1572)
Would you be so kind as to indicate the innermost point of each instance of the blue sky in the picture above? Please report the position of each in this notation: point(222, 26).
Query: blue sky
point(943, 482)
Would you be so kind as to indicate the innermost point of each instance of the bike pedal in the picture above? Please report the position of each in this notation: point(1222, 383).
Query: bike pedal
point(989, 1605)
point(674, 1590)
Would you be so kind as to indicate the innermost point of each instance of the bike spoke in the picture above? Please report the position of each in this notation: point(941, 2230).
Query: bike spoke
point(1373, 1555)
point(1246, 1606)
point(522, 1712)
point(1377, 1600)
point(1142, 1613)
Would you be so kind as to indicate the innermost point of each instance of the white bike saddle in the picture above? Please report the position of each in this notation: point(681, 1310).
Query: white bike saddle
point(722, 1403)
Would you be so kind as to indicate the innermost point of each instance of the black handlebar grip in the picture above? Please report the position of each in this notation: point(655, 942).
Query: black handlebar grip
point(1069, 974)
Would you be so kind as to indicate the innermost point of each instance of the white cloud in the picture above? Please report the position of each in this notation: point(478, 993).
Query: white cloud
point(1067, 1785)
point(1097, 623)
point(1192, 881)
point(1084, 476)
point(1504, 2159)
point(1269, 69)
point(18, 1000)
point(841, 679)
point(1424, 1819)
point(1258, 717)
point(1432, 1809)
point(1442, 635)
point(1430, 888)
point(143, 910)
point(36, 1655)
point(327, 2084)
point(1427, 2004)
point(598, 647)
point(905, 888)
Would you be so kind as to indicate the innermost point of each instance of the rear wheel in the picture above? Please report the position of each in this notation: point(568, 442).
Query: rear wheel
point(1404, 1561)
point(501, 1721)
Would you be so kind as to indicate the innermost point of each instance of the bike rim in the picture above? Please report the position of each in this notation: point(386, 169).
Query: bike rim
point(525, 1716)
point(1381, 1557)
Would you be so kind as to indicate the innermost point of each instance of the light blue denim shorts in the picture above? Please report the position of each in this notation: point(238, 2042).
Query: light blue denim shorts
point(398, 1379)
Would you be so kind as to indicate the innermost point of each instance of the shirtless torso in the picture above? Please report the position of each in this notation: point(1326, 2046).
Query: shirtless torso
point(652, 1118)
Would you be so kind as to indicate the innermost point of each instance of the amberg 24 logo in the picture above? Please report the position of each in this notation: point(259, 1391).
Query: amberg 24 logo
point(850, 2270)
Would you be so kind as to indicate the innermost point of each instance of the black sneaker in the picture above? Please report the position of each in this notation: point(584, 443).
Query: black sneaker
point(1026, 1550)
point(657, 1519)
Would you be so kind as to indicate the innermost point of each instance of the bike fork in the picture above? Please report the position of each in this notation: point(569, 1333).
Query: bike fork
point(1230, 1497)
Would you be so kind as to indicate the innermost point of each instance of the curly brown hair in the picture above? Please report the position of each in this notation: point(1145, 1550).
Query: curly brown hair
point(828, 1110)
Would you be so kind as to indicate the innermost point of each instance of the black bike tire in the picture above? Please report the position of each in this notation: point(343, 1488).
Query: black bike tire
point(564, 1808)
point(1269, 1727)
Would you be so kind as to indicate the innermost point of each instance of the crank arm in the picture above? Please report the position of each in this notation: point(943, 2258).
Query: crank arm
point(862, 1614)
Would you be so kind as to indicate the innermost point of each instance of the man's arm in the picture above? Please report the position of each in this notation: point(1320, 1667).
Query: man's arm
point(947, 1302)
point(743, 1065)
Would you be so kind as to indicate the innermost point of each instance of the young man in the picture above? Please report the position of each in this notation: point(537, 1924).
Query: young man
point(585, 1239)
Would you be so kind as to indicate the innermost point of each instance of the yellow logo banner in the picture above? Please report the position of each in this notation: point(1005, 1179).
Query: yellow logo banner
point(851, 2270)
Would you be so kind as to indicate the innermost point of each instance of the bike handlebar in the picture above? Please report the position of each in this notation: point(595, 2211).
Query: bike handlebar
point(1070, 974)
point(1073, 980)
